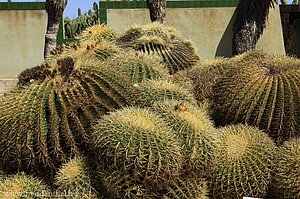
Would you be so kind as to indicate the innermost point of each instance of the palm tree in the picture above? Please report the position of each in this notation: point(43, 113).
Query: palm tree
point(55, 9)
point(249, 24)
point(157, 10)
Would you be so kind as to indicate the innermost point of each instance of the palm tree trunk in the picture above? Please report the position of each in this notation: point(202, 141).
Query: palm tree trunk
point(55, 9)
point(245, 38)
point(157, 9)
point(249, 24)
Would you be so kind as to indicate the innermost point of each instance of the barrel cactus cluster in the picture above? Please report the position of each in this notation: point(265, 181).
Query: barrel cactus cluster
point(137, 115)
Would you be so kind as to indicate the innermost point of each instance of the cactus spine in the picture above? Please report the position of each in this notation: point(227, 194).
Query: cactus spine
point(244, 162)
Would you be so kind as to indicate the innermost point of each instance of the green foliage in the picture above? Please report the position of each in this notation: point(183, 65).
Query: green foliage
point(187, 189)
point(286, 177)
point(76, 26)
point(49, 120)
point(244, 162)
point(139, 66)
point(139, 142)
point(73, 177)
point(263, 92)
point(155, 38)
point(159, 90)
point(22, 186)
point(195, 132)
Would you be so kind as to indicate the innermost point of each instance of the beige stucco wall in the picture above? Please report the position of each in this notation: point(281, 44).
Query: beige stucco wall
point(21, 40)
point(209, 28)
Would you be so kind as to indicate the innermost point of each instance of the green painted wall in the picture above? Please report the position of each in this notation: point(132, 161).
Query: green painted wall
point(22, 39)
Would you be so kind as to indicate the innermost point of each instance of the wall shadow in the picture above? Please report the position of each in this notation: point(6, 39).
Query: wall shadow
point(224, 48)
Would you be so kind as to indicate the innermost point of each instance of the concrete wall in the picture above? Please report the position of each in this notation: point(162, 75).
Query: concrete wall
point(209, 28)
point(21, 40)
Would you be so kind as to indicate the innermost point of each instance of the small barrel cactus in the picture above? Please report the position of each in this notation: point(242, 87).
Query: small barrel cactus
point(244, 162)
point(49, 120)
point(73, 177)
point(159, 90)
point(195, 132)
point(187, 189)
point(139, 66)
point(120, 184)
point(138, 141)
point(23, 186)
point(263, 94)
point(158, 39)
point(286, 179)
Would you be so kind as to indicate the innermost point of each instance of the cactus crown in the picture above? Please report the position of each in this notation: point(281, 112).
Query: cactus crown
point(264, 95)
point(176, 52)
point(244, 158)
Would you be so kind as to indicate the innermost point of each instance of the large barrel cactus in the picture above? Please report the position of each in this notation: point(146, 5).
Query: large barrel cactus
point(23, 186)
point(195, 132)
point(159, 90)
point(48, 121)
point(139, 142)
point(244, 162)
point(286, 177)
point(263, 93)
point(176, 52)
